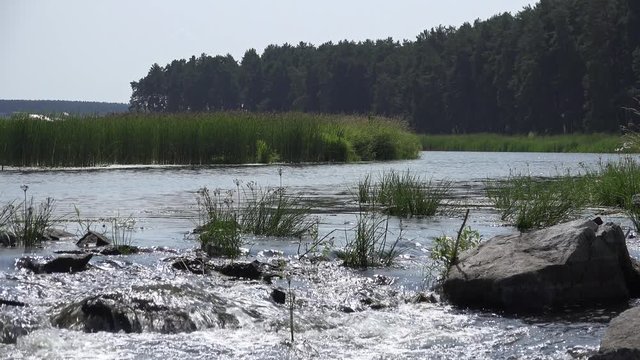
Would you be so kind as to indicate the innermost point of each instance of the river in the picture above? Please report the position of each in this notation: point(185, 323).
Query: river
point(162, 201)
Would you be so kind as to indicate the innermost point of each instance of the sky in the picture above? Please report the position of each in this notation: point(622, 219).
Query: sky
point(91, 50)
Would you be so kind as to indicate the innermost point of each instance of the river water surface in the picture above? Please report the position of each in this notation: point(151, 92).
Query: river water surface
point(162, 201)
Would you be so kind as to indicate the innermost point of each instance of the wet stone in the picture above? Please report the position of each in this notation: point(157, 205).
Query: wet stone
point(195, 265)
point(119, 250)
point(278, 296)
point(52, 234)
point(117, 312)
point(252, 270)
point(93, 239)
point(60, 264)
point(11, 303)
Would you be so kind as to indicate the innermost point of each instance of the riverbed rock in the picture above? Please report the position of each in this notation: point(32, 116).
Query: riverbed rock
point(621, 339)
point(93, 239)
point(278, 296)
point(12, 303)
point(112, 250)
point(60, 264)
point(196, 265)
point(119, 312)
point(52, 234)
point(576, 263)
point(245, 270)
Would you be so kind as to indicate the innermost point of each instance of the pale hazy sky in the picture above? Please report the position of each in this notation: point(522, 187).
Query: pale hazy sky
point(90, 50)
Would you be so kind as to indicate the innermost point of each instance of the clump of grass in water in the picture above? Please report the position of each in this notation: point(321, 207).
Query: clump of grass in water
point(220, 234)
point(615, 184)
point(272, 212)
point(370, 244)
point(446, 250)
point(264, 212)
point(404, 194)
point(122, 233)
point(29, 226)
point(530, 202)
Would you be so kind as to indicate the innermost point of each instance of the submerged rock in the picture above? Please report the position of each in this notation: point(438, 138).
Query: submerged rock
point(12, 303)
point(622, 338)
point(52, 234)
point(60, 264)
point(134, 314)
point(196, 265)
point(576, 263)
point(93, 239)
point(252, 270)
point(112, 250)
point(278, 296)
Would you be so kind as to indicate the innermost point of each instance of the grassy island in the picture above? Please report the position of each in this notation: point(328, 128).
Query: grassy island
point(205, 138)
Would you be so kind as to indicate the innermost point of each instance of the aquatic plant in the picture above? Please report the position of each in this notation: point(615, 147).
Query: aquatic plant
point(220, 232)
point(29, 226)
point(530, 202)
point(403, 194)
point(205, 138)
point(370, 244)
point(6, 213)
point(272, 212)
point(122, 229)
point(614, 183)
point(446, 249)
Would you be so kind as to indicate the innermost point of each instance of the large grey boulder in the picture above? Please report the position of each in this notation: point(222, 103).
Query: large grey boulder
point(622, 338)
point(575, 263)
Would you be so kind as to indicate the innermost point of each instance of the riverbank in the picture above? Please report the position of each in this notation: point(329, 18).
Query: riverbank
point(575, 143)
point(202, 139)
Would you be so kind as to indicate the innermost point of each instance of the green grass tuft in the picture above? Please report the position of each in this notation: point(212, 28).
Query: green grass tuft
point(530, 202)
point(403, 194)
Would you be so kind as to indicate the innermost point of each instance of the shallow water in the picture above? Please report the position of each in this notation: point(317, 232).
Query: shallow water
point(162, 202)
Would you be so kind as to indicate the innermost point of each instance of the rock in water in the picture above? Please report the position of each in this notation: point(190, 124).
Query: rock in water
point(252, 270)
point(60, 264)
point(169, 313)
point(93, 239)
point(622, 338)
point(575, 263)
point(52, 234)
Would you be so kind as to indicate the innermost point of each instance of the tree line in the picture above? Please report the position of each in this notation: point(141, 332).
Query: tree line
point(561, 66)
point(9, 107)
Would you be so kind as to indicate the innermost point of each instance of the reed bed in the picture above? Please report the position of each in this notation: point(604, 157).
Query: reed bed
point(576, 143)
point(206, 138)
point(530, 202)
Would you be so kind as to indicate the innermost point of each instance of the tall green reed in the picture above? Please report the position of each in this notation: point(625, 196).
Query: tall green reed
point(205, 138)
